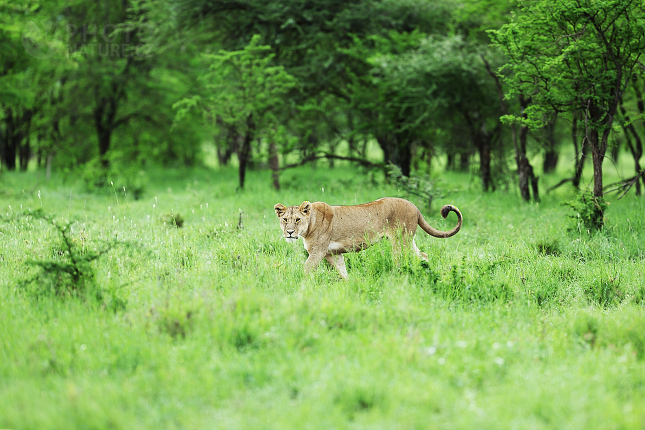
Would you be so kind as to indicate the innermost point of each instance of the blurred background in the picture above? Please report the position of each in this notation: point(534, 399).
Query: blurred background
point(503, 90)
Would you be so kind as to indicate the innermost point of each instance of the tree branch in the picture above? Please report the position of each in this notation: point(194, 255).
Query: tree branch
point(625, 185)
point(363, 162)
point(559, 184)
point(126, 118)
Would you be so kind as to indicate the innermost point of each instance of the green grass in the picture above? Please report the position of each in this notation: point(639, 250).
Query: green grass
point(515, 323)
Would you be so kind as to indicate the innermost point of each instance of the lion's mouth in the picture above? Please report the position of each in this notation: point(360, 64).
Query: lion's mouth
point(291, 238)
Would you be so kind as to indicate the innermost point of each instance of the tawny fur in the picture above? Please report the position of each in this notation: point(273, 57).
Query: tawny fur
point(330, 231)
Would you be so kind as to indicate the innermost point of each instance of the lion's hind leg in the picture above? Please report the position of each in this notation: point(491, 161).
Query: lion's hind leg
point(403, 238)
point(418, 252)
point(338, 262)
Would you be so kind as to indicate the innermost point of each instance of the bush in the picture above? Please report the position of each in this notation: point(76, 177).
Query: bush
point(589, 212)
point(116, 176)
point(69, 273)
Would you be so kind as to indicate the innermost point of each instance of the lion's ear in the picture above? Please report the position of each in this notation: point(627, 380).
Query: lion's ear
point(280, 209)
point(305, 208)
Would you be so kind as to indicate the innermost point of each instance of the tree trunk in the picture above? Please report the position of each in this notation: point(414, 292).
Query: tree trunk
point(397, 150)
point(598, 149)
point(527, 180)
point(615, 153)
point(640, 104)
point(105, 110)
point(523, 179)
point(104, 118)
point(450, 161)
point(636, 147)
point(551, 158)
point(581, 154)
point(244, 153)
point(274, 164)
point(534, 185)
point(2, 148)
point(464, 162)
point(580, 164)
point(551, 154)
point(230, 136)
point(598, 143)
point(24, 152)
point(224, 155)
point(484, 163)
point(104, 137)
point(332, 150)
point(524, 168)
point(483, 141)
point(9, 140)
point(597, 156)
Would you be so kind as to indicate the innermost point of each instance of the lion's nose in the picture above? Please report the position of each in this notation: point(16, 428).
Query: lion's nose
point(290, 232)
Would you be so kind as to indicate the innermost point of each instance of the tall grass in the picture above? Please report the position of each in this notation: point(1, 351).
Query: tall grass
point(516, 322)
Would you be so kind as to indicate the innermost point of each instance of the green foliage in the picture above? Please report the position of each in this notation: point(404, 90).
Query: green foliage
point(571, 55)
point(418, 87)
point(174, 319)
point(128, 178)
point(69, 273)
point(589, 213)
point(240, 85)
point(473, 285)
point(172, 219)
point(605, 292)
point(551, 247)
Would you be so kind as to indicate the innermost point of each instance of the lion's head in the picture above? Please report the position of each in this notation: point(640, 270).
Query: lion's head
point(294, 220)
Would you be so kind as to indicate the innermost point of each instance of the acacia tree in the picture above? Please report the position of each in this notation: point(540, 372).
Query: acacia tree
point(24, 45)
point(574, 55)
point(243, 92)
point(108, 67)
point(311, 40)
point(417, 84)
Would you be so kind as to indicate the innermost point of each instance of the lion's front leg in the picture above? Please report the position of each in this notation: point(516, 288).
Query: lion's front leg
point(313, 261)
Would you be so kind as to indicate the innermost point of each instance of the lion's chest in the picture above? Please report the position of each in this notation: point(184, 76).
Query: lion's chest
point(335, 246)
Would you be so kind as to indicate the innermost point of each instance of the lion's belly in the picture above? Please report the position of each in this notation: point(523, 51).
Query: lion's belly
point(351, 245)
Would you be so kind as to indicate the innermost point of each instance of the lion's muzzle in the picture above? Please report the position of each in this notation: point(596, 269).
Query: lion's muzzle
point(290, 236)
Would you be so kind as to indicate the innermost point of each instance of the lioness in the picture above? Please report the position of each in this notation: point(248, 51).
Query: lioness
point(330, 231)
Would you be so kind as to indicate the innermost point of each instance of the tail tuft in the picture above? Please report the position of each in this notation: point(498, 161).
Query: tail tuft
point(444, 213)
point(447, 209)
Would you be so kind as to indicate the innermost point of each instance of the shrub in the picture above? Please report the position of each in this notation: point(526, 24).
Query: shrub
point(589, 212)
point(117, 175)
point(69, 273)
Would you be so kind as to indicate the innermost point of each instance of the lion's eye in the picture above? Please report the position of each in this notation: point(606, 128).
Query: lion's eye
point(284, 219)
point(297, 220)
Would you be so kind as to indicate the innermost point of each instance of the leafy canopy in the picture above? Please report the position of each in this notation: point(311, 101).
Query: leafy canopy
point(572, 55)
point(240, 84)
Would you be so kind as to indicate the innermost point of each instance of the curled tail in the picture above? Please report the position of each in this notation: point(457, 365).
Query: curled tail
point(444, 213)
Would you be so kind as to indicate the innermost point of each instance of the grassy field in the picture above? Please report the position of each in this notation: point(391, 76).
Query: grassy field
point(516, 323)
